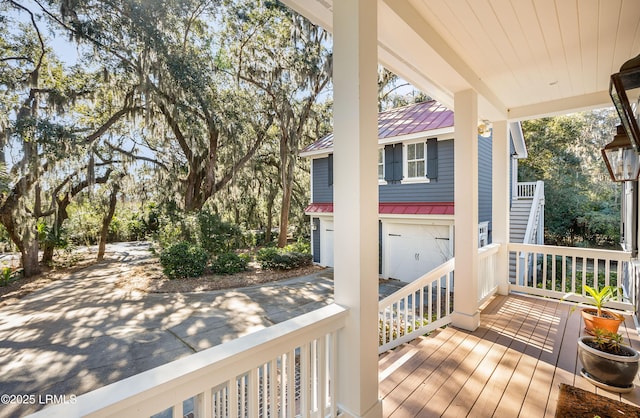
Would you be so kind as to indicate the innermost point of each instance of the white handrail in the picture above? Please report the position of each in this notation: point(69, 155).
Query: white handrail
point(536, 206)
point(554, 272)
point(297, 356)
point(525, 190)
point(487, 279)
point(418, 308)
point(427, 303)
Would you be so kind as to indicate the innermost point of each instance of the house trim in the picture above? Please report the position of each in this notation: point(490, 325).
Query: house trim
point(393, 209)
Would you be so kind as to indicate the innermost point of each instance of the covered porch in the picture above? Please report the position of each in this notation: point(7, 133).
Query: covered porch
point(512, 365)
point(498, 61)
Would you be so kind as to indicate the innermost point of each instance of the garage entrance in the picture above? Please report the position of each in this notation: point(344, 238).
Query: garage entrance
point(412, 249)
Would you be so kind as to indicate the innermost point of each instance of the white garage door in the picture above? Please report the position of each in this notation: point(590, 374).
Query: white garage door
point(326, 242)
point(413, 250)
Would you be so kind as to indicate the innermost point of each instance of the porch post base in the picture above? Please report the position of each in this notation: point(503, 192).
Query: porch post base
point(503, 288)
point(469, 322)
point(374, 412)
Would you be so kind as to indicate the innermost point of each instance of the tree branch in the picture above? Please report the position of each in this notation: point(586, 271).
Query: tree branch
point(138, 157)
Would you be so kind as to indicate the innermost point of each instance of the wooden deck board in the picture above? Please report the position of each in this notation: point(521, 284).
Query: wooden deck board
point(537, 396)
point(511, 366)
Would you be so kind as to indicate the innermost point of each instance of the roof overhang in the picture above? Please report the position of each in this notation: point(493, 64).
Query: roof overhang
point(525, 59)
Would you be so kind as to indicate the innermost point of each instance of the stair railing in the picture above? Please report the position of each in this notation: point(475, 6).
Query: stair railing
point(534, 234)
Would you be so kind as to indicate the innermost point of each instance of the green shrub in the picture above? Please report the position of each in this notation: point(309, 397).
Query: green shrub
point(229, 263)
point(183, 260)
point(5, 277)
point(271, 258)
point(258, 238)
point(8, 274)
point(204, 228)
point(300, 246)
point(215, 235)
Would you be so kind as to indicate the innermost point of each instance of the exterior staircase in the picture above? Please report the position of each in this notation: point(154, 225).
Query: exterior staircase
point(526, 218)
point(519, 219)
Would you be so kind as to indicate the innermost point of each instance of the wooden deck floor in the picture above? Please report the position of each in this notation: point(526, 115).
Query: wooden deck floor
point(511, 366)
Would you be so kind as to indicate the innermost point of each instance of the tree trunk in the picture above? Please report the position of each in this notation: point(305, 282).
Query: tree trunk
point(47, 250)
point(30, 264)
point(47, 253)
point(27, 244)
point(284, 216)
point(106, 221)
point(289, 165)
point(270, 200)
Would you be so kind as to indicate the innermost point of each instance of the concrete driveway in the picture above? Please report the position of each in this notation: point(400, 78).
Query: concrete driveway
point(81, 333)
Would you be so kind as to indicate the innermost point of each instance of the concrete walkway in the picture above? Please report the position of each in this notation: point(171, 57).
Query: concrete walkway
point(81, 333)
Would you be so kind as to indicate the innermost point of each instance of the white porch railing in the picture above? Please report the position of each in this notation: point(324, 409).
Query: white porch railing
point(289, 369)
point(534, 234)
point(420, 307)
point(487, 280)
point(556, 271)
point(525, 190)
point(285, 370)
point(427, 303)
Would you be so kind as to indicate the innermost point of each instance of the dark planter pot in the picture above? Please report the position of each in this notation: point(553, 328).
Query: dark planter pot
point(609, 371)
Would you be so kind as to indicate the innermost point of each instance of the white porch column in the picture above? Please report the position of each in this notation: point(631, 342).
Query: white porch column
point(466, 314)
point(356, 204)
point(501, 200)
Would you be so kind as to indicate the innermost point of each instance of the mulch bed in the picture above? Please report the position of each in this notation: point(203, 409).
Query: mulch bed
point(577, 403)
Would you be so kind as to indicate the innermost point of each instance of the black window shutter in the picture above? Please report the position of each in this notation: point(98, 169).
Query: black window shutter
point(388, 163)
point(397, 162)
point(330, 163)
point(432, 158)
point(393, 163)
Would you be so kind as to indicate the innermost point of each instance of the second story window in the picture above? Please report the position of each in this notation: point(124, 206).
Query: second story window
point(381, 164)
point(416, 162)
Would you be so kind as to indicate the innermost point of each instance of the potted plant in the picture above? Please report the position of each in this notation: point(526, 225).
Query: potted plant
point(606, 362)
point(598, 317)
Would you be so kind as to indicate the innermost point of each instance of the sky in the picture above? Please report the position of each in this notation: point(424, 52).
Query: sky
point(65, 50)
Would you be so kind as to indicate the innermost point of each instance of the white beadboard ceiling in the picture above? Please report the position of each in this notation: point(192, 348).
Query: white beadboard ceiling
point(525, 58)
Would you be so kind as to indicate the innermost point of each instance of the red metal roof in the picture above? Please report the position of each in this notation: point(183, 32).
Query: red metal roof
point(406, 120)
point(395, 208)
point(319, 208)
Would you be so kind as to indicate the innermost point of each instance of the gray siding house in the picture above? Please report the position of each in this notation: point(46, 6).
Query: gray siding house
point(416, 191)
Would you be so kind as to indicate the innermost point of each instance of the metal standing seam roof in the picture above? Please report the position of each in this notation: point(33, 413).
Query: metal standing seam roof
point(406, 120)
point(395, 208)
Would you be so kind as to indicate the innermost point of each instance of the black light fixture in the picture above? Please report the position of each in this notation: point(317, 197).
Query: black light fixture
point(624, 89)
point(621, 158)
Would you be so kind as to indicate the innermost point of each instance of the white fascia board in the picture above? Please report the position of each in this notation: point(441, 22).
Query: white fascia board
point(317, 153)
point(391, 217)
point(319, 12)
point(320, 215)
point(517, 137)
point(597, 100)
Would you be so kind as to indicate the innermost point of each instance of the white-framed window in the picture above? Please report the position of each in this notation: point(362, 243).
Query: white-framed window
point(415, 162)
point(380, 164)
